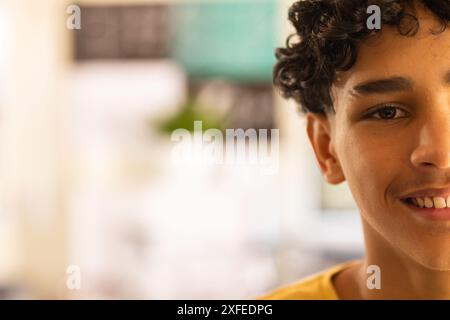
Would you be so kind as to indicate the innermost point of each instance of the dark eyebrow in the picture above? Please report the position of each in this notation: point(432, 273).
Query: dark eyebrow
point(391, 84)
point(380, 86)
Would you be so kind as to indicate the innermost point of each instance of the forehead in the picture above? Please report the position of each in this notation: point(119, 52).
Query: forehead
point(422, 58)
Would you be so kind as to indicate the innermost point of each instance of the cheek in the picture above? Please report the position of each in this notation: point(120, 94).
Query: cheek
point(370, 164)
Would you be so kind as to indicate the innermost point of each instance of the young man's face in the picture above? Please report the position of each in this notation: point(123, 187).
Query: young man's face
point(384, 160)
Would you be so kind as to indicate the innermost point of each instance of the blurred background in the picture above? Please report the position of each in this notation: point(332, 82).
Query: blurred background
point(88, 185)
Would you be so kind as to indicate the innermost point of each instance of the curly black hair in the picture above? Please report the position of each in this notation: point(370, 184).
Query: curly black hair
point(326, 40)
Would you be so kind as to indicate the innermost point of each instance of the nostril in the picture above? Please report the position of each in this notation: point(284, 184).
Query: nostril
point(431, 157)
point(427, 164)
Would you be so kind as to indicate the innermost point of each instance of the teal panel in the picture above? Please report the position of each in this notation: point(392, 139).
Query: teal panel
point(234, 40)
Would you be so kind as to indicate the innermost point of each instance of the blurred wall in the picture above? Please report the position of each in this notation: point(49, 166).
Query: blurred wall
point(32, 143)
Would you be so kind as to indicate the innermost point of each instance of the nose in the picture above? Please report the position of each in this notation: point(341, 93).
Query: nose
point(433, 149)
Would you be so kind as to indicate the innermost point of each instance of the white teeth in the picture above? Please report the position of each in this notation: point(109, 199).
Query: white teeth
point(420, 202)
point(439, 202)
point(430, 202)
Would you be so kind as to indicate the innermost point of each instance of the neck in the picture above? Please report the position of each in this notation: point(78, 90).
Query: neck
point(401, 276)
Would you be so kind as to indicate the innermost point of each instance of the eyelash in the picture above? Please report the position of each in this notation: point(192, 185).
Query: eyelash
point(384, 107)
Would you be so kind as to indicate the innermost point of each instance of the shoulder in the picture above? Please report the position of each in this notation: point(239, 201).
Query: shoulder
point(316, 287)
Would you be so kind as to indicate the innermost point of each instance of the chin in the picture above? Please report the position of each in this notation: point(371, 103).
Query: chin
point(437, 259)
point(436, 265)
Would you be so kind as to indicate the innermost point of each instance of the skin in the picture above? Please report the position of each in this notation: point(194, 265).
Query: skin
point(382, 159)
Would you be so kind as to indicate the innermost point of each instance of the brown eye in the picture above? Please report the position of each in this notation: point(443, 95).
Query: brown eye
point(388, 113)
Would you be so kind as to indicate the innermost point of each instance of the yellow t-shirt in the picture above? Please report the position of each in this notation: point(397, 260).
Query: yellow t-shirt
point(316, 287)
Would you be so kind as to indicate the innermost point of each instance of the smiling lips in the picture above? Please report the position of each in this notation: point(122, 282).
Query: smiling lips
point(429, 199)
point(431, 202)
